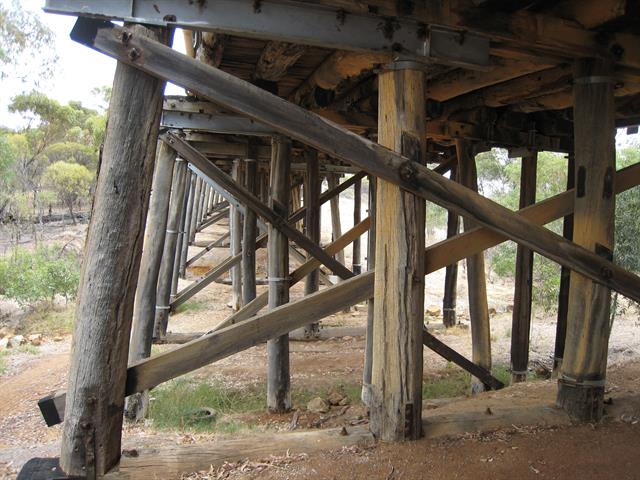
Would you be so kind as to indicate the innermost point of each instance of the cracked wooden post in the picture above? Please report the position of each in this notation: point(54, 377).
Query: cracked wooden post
point(371, 264)
point(235, 226)
point(312, 225)
point(278, 381)
point(356, 267)
point(249, 232)
point(476, 280)
point(336, 224)
point(521, 321)
point(396, 379)
point(154, 239)
point(91, 435)
point(449, 299)
point(565, 280)
point(582, 380)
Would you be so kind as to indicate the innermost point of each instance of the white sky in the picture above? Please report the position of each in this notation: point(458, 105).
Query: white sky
point(79, 68)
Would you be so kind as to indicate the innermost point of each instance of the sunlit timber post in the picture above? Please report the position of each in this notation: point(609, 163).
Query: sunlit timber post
point(396, 380)
point(582, 380)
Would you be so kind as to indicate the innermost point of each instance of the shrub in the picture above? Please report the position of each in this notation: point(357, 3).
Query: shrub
point(31, 277)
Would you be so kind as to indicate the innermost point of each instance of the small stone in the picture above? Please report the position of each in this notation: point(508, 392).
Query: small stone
point(318, 405)
point(347, 338)
point(6, 332)
point(335, 397)
point(433, 311)
point(58, 338)
point(492, 311)
point(509, 308)
point(4, 343)
point(17, 341)
point(345, 401)
point(35, 339)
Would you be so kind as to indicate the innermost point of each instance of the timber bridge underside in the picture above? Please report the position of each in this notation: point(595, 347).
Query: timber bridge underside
point(400, 94)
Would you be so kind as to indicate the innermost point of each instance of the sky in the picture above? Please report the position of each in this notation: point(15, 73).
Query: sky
point(78, 71)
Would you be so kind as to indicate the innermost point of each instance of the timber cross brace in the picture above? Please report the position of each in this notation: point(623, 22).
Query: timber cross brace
point(432, 84)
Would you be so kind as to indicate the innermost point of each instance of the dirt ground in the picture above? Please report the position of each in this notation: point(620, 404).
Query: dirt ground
point(565, 452)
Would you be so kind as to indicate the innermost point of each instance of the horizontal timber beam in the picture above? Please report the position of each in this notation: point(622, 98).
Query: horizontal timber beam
point(293, 23)
point(437, 256)
point(215, 123)
point(246, 99)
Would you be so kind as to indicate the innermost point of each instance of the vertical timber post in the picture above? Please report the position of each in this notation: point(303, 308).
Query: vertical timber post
point(278, 381)
point(186, 236)
point(235, 217)
point(181, 219)
point(521, 322)
point(249, 232)
point(193, 224)
point(565, 279)
point(449, 299)
point(582, 379)
point(336, 225)
point(356, 267)
point(371, 264)
point(396, 379)
point(476, 280)
point(312, 224)
point(154, 240)
point(91, 434)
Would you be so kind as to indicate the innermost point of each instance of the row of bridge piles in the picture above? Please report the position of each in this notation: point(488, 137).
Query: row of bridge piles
point(112, 270)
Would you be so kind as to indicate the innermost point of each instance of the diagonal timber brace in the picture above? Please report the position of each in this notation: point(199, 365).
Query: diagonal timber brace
point(437, 256)
point(242, 97)
point(252, 202)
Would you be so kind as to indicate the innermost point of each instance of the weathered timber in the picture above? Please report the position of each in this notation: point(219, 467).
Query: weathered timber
point(371, 263)
point(437, 256)
point(249, 233)
point(582, 379)
point(312, 225)
point(186, 225)
point(521, 320)
point(451, 355)
point(565, 280)
point(396, 376)
point(193, 222)
point(241, 97)
point(356, 266)
point(235, 227)
point(275, 60)
point(278, 381)
point(177, 461)
point(297, 275)
point(171, 254)
point(449, 299)
point(211, 221)
point(476, 280)
point(181, 232)
point(336, 224)
point(91, 434)
point(154, 239)
point(252, 202)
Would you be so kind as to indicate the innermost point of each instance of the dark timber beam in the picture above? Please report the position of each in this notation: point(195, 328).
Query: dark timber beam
point(246, 99)
point(437, 256)
point(521, 321)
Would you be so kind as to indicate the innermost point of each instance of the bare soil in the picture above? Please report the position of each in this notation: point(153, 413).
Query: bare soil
point(604, 451)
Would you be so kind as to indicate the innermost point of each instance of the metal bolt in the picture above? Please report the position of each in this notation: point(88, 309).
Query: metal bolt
point(134, 53)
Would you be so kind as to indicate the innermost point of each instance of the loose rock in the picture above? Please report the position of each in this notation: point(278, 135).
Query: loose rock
point(318, 405)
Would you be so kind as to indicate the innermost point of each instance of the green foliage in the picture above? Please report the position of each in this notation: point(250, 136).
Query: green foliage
point(26, 44)
point(70, 182)
point(49, 321)
point(33, 277)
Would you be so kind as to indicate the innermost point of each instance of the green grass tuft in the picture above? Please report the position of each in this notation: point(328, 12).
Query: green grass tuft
point(3, 365)
point(49, 321)
point(193, 307)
